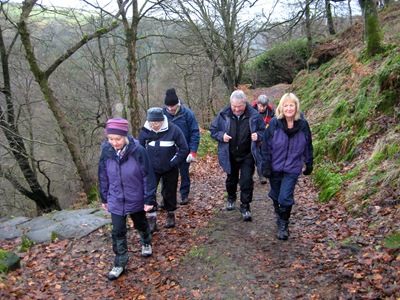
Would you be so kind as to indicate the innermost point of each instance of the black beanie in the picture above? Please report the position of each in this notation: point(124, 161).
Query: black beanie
point(155, 114)
point(171, 98)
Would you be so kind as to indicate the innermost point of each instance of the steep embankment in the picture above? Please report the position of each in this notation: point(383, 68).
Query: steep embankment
point(353, 104)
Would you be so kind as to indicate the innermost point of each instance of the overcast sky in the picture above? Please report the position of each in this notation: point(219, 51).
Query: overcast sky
point(72, 3)
point(265, 5)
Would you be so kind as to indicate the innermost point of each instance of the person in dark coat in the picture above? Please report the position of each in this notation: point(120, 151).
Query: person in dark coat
point(286, 148)
point(127, 186)
point(267, 112)
point(185, 119)
point(238, 129)
point(167, 148)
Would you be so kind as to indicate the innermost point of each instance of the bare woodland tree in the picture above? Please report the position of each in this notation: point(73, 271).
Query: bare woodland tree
point(130, 15)
point(28, 165)
point(224, 35)
point(45, 202)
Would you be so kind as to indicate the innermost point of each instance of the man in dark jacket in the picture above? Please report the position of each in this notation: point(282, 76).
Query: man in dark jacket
point(185, 119)
point(238, 129)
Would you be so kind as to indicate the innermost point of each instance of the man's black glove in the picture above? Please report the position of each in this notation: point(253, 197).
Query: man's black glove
point(308, 170)
point(266, 170)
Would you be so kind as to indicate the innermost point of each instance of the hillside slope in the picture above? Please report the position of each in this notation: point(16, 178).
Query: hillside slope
point(353, 105)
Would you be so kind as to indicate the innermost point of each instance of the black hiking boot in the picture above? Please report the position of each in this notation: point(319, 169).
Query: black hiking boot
point(283, 222)
point(170, 221)
point(276, 211)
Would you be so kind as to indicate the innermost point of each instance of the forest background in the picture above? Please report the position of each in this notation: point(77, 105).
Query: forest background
point(66, 71)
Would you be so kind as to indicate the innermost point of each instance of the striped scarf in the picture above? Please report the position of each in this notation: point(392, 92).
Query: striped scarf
point(120, 153)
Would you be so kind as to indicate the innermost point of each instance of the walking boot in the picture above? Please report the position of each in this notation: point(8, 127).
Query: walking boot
point(161, 205)
point(276, 211)
point(170, 221)
point(152, 223)
point(262, 179)
point(184, 201)
point(230, 205)
point(283, 226)
point(246, 213)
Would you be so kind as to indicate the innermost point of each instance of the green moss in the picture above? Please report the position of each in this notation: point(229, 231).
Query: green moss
point(3, 254)
point(329, 182)
point(26, 244)
point(197, 252)
point(53, 236)
point(342, 109)
point(207, 145)
point(374, 36)
point(392, 241)
point(94, 194)
point(353, 173)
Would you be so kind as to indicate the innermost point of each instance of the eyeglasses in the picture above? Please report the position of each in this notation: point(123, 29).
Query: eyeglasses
point(156, 123)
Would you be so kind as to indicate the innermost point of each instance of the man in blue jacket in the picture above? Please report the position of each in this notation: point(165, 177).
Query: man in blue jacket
point(185, 119)
point(238, 129)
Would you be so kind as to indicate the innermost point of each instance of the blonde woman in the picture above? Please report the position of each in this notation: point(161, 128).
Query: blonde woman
point(286, 148)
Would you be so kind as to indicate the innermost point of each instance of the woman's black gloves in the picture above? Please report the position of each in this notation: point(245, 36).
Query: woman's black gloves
point(308, 170)
point(266, 170)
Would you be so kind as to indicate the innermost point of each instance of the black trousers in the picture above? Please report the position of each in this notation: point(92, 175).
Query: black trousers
point(119, 242)
point(169, 186)
point(241, 173)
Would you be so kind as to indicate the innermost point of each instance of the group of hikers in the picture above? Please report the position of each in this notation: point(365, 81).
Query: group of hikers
point(276, 142)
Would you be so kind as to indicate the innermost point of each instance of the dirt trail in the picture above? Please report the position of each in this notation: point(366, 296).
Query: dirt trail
point(245, 260)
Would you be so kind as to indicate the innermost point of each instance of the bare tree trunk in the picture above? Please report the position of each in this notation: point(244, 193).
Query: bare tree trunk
point(108, 107)
point(185, 81)
point(372, 31)
point(350, 12)
point(308, 28)
point(42, 77)
point(130, 29)
point(331, 26)
point(8, 122)
point(210, 114)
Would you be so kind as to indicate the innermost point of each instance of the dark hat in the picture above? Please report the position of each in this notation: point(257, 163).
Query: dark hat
point(171, 98)
point(117, 126)
point(155, 114)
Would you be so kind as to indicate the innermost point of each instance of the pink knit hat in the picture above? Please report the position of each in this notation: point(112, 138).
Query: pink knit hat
point(117, 126)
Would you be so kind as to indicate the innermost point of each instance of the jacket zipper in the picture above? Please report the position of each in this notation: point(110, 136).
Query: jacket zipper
point(122, 187)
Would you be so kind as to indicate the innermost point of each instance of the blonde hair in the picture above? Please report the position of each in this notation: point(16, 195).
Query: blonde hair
point(286, 98)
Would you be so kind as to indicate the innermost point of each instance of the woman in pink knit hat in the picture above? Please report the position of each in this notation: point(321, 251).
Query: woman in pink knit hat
point(127, 187)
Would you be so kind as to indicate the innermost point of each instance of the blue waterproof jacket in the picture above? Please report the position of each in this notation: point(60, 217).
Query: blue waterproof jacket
point(126, 184)
point(186, 121)
point(284, 154)
point(166, 148)
point(221, 125)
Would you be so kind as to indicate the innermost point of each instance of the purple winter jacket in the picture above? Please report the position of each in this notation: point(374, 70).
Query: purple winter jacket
point(128, 183)
point(283, 154)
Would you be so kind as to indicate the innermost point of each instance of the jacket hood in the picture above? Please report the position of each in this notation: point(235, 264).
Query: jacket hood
point(163, 128)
